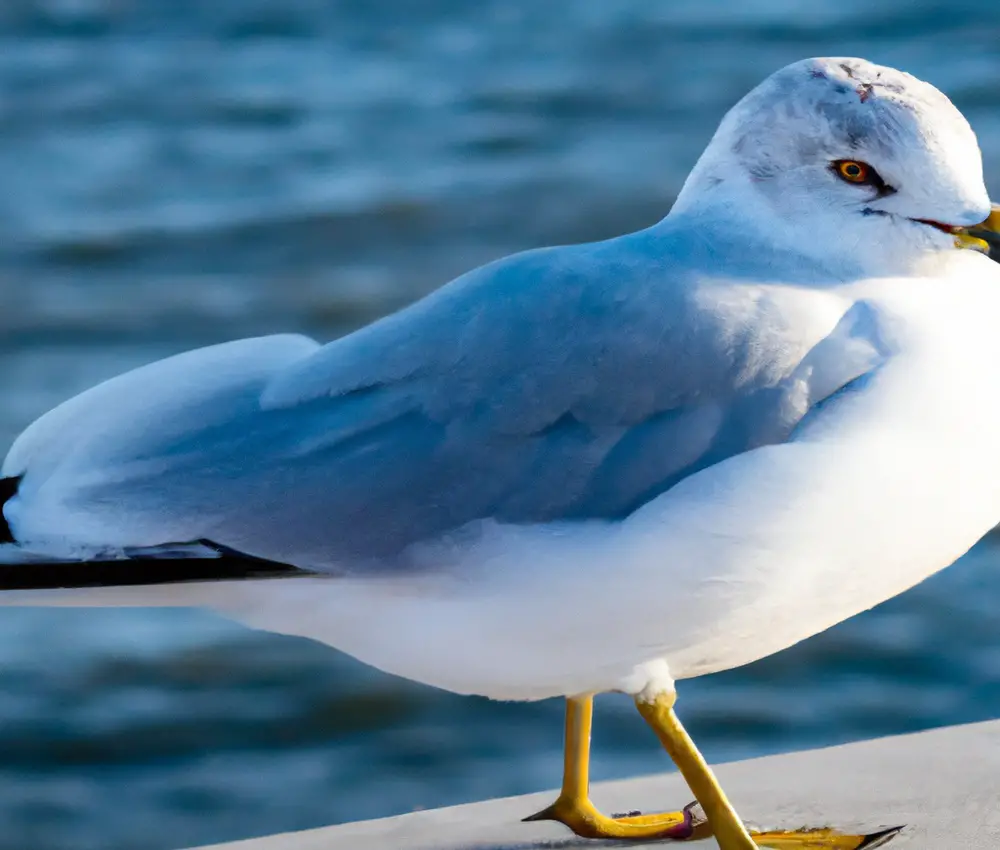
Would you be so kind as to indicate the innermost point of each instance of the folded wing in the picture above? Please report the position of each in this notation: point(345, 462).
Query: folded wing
point(565, 383)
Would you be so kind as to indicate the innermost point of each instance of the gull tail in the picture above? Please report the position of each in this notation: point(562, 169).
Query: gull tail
point(168, 574)
point(132, 582)
point(8, 487)
point(36, 574)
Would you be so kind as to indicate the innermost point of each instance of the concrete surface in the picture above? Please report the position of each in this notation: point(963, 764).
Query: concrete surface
point(944, 785)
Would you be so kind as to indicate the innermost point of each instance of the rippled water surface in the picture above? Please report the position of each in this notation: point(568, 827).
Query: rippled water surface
point(179, 173)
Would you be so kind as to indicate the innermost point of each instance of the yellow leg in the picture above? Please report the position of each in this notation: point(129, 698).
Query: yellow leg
point(726, 824)
point(574, 809)
point(573, 806)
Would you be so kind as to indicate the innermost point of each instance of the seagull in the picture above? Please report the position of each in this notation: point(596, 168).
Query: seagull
point(587, 468)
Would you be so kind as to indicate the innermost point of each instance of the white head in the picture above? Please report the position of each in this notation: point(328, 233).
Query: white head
point(841, 155)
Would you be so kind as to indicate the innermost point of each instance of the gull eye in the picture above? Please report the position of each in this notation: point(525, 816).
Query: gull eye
point(861, 174)
point(852, 171)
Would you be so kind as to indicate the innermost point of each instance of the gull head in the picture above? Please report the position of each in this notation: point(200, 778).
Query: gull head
point(844, 158)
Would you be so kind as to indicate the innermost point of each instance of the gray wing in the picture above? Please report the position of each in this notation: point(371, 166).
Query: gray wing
point(564, 383)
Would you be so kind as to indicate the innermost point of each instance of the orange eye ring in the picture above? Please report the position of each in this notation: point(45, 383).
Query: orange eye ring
point(853, 171)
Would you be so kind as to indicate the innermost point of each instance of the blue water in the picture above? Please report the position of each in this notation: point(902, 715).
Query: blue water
point(177, 173)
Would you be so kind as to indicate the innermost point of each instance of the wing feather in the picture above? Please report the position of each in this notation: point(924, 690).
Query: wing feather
point(562, 383)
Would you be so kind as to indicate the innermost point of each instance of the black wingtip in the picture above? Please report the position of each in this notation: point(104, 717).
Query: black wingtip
point(68, 575)
point(880, 839)
point(8, 487)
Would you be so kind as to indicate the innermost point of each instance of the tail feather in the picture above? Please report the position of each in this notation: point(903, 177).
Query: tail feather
point(66, 575)
point(8, 487)
point(198, 561)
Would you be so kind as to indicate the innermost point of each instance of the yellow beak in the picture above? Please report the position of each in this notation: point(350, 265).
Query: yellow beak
point(983, 236)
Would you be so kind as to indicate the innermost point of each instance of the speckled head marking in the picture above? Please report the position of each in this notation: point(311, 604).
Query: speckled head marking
point(864, 88)
point(783, 141)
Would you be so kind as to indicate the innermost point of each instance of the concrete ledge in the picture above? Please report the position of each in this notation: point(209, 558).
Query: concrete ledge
point(944, 784)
